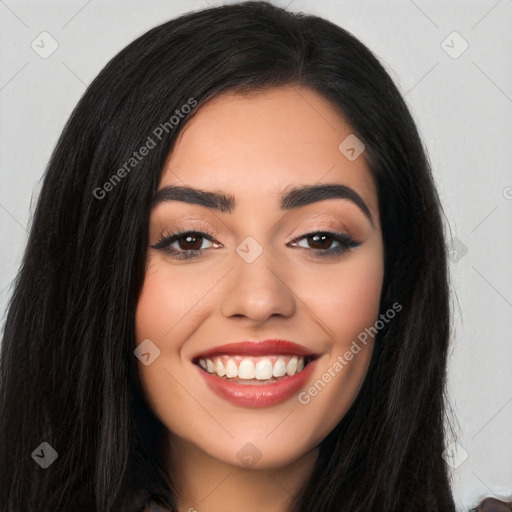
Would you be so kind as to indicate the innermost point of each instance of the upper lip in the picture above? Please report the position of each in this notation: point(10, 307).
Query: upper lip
point(258, 348)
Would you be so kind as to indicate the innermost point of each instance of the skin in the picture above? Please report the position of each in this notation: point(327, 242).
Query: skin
point(254, 147)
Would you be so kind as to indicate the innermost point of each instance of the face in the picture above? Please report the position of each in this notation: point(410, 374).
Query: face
point(275, 258)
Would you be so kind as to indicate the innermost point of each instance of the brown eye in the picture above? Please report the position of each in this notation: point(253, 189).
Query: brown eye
point(320, 243)
point(190, 242)
point(186, 244)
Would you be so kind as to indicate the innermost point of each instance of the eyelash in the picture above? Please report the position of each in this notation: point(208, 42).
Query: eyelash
point(345, 241)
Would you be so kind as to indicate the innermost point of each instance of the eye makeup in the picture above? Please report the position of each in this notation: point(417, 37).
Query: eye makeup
point(182, 252)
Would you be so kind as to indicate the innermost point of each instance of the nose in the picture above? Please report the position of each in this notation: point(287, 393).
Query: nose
point(258, 290)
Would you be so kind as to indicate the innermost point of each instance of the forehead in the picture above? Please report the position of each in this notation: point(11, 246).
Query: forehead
point(265, 142)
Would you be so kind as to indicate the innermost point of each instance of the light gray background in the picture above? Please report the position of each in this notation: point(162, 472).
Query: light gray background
point(463, 108)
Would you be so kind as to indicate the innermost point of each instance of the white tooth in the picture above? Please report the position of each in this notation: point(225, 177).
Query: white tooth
point(279, 368)
point(246, 369)
point(209, 366)
point(231, 369)
point(263, 369)
point(219, 367)
point(291, 367)
point(202, 363)
point(300, 364)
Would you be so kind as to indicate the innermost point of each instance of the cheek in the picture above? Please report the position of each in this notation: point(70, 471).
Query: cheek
point(166, 299)
point(346, 297)
point(358, 297)
point(346, 301)
point(170, 307)
point(160, 307)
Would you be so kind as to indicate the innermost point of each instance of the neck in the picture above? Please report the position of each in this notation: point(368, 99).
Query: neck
point(205, 484)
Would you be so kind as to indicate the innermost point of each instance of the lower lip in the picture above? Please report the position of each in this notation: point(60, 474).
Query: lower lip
point(256, 395)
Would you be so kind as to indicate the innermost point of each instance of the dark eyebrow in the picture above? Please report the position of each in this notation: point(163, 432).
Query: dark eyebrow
point(293, 198)
point(308, 194)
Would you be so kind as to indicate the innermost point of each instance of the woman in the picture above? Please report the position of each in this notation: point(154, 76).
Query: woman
point(295, 362)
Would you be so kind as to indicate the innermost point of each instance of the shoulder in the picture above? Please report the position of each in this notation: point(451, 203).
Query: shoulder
point(494, 505)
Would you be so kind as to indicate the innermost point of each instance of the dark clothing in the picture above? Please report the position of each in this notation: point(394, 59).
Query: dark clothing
point(156, 504)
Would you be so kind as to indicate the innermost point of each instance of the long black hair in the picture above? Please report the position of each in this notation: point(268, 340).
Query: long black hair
point(68, 372)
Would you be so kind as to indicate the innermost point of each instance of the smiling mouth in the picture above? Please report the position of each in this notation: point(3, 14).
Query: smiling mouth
point(256, 374)
point(242, 369)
